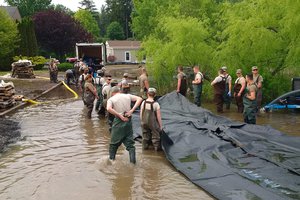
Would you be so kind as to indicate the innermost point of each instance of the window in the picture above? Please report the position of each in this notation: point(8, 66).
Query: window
point(127, 56)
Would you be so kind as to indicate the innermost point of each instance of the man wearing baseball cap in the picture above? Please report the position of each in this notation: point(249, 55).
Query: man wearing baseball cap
point(120, 106)
point(228, 87)
point(124, 84)
point(151, 122)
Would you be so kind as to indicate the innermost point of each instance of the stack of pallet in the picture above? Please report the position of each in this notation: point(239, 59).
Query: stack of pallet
point(22, 69)
point(7, 91)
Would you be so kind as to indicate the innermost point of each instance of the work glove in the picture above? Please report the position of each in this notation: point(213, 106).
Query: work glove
point(229, 94)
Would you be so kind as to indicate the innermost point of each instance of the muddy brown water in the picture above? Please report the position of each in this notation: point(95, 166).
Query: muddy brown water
point(63, 155)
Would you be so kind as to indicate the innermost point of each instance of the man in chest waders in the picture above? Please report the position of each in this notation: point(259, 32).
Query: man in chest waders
point(197, 85)
point(228, 87)
point(151, 121)
point(249, 101)
point(120, 106)
point(182, 82)
point(99, 82)
point(258, 81)
point(219, 84)
point(238, 90)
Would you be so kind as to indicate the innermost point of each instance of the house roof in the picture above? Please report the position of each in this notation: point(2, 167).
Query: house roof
point(123, 44)
point(12, 11)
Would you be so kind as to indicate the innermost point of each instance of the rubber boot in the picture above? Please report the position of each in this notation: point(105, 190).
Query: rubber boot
point(145, 144)
point(132, 156)
point(112, 155)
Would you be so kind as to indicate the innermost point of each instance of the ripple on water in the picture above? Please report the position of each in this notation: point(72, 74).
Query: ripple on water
point(65, 156)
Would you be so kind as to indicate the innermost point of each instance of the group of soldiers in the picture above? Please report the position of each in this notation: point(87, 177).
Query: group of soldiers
point(247, 91)
point(113, 99)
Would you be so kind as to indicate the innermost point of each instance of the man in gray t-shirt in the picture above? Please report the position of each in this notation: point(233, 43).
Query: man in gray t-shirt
point(120, 106)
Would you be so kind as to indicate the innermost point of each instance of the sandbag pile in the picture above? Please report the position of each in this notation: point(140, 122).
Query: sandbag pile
point(7, 90)
point(22, 69)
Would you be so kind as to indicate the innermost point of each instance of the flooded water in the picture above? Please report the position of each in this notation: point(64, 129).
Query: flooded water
point(63, 155)
point(287, 121)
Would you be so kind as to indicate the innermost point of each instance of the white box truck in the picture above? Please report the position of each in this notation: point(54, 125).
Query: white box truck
point(91, 53)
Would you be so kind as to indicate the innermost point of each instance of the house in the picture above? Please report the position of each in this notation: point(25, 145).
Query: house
point(13, 12)
point(122, 51)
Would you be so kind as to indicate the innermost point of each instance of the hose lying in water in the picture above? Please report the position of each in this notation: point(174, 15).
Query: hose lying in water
point(75, 94)
point(36, 102)
point(30, 101)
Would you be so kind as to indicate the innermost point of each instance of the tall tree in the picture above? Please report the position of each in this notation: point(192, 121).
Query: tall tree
point(28, 42)
point(58, 32)
point(8, 34)
point(88, 5)
point(88, 22)
point(29, 7)
point(115, 31)
point(103, 21)
point(120, 11)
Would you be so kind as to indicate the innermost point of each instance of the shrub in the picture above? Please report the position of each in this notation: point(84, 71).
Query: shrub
point(111, 58)
point(64, 66)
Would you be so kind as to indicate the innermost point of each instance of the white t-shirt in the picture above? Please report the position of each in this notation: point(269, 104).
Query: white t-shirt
point(218, 79)
point(199, 76)
point(100, 80)
point(121, 102)
point(124, 83)
point(82, 77)
point(156, 106)
point(105, 89)
point(228, 79)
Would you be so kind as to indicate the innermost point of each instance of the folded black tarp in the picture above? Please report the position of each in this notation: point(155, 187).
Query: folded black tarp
point(230, 160)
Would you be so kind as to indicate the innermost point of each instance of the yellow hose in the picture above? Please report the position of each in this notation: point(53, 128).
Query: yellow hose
point(75, 94)
point(36, 102)
point(30, 101)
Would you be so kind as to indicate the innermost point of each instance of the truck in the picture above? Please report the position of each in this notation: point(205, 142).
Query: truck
point(93, 54)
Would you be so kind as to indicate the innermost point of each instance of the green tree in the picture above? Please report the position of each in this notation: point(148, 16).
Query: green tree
point(103, 21)
point(182, 44)
point(235, 33)
point(29, 7)
point(28, 42)
point(88, 22)
point(8, 34)
point(120, 11)
point(61, 8)
point(115, 31)
point(89, 5)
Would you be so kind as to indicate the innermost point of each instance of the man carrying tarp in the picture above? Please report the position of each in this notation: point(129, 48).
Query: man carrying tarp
point(120, 106)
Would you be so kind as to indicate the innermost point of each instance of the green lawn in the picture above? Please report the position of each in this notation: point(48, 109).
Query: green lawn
point(2, 73)
point(35, 72)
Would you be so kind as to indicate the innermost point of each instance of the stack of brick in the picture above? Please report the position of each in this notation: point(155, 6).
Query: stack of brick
point(22, 69)
point(7, 92)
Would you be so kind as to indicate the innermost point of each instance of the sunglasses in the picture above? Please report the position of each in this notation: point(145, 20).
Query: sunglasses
point(254, 69)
